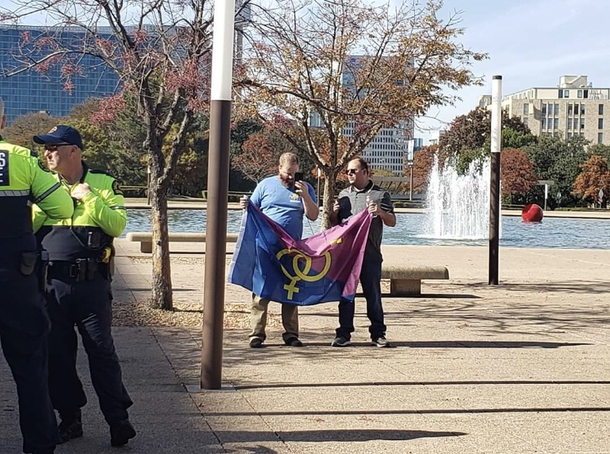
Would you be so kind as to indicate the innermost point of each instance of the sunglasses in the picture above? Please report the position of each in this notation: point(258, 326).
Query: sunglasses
point(55, 146)
point(351, 171)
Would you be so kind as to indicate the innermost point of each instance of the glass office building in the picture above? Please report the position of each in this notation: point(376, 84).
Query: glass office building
point(389, 148)
point(33, 90)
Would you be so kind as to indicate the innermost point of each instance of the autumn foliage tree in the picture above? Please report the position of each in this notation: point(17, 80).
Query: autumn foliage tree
point(468, 137)
point(343, 70)
point(161, 51)
point(518, 175)
point(258, 158)
point(423, 161)
point(23, 129)
point(595, 177)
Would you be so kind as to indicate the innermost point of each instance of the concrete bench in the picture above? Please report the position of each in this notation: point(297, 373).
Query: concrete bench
point(145, 238)
point(406, 280)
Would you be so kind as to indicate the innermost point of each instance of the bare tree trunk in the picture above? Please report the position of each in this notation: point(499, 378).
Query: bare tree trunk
point(329, 199)
point(161, 291)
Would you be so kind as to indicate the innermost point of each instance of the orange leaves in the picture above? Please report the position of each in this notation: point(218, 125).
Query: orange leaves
point(107, 110)
point(258, 158)
point(518, 175)
point(595, 176)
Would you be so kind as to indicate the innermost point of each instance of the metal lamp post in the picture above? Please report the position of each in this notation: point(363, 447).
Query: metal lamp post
point(403, 142)
point(494, 196)
point(218, 191)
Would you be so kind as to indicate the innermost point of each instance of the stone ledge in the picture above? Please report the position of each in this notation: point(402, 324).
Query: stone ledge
point(145, 238)
point(405, 280)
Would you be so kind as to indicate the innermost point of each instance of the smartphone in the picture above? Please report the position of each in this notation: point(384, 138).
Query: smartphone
point(298, 176)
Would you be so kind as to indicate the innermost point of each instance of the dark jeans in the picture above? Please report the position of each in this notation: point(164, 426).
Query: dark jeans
point(88, 305)
point(24, 326)
point(370, 279)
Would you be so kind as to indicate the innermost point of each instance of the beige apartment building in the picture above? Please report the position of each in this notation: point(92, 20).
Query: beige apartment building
point(572, 108)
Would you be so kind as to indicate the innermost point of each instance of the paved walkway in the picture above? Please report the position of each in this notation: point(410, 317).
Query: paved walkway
point(523, 367)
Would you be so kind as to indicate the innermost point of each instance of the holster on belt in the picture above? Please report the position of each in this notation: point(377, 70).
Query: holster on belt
point(83, 269)
point(28, 261)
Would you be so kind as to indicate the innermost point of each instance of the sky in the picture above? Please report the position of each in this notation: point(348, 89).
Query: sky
point(531, 43)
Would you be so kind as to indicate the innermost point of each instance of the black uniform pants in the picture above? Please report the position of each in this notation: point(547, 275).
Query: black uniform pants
point(88, 305)
point(24, 325)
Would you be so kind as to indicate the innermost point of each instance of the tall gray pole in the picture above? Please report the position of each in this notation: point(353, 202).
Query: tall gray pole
point(494, 199)
point(411, 183)
point(218, 189)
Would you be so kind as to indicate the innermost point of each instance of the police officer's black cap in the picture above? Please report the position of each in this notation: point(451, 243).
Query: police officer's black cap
point(60, 134)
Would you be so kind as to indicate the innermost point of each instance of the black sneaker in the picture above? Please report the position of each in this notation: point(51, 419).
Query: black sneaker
point(340, 341)
point(256, 342)
point(71, 426)
point(121, 432)
point(293, 342)
point(381, 342)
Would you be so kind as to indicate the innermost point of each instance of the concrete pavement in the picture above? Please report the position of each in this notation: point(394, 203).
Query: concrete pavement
point(522, 367)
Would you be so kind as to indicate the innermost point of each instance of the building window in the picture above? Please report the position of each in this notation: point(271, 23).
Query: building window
point(582, 109)
point(543, 122)
point(582, 123)
point(600, 137)
point(600, 123)
point(600, 109)
point(569, 109)
point(526, 121)
point(556, 110)
point(526, 109)
point(543, 110)
point(579, 94)
point(556, 123)
point(566, 93)
point(569, 123)
point(569, 135)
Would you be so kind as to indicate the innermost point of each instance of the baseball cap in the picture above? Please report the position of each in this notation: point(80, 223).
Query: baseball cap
point(60, 134)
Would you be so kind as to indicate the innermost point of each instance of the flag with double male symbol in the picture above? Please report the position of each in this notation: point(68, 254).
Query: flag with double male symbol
point(319, 269)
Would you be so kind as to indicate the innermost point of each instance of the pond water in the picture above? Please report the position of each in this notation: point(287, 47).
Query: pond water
point(564, 233)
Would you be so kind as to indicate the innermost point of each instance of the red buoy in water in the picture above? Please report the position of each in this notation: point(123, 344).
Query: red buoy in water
point(532, 213)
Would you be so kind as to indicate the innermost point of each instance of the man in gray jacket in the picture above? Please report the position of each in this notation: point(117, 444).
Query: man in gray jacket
point(362, 195)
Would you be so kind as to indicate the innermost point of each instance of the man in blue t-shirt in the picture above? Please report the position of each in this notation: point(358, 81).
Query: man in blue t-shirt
point(285, 201)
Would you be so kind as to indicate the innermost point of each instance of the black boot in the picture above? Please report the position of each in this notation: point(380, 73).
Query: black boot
point(71, 425)
point(121, 432)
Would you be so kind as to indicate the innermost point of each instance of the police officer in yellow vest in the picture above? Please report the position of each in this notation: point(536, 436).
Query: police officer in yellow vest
point(24, 322)
point(78, 287)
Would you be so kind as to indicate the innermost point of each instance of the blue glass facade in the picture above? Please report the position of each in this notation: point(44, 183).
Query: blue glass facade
point(34, 91)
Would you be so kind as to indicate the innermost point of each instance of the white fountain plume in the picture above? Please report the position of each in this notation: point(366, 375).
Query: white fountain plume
point(457, 206)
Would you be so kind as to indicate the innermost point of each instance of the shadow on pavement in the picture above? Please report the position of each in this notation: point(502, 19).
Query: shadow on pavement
point(433, 411)
point(317, 436)
point(424, 383)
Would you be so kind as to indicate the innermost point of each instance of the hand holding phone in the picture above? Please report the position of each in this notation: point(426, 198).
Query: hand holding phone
point(298, 176)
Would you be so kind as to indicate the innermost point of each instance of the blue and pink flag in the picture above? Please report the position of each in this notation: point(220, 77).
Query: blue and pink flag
point(322, 268)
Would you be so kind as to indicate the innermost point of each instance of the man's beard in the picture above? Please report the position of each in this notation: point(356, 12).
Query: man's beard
point(287, 181)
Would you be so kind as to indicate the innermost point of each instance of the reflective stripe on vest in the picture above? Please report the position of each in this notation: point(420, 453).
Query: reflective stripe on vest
point(14, 193)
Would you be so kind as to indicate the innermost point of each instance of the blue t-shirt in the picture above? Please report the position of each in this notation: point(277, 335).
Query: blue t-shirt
point(281, 204)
